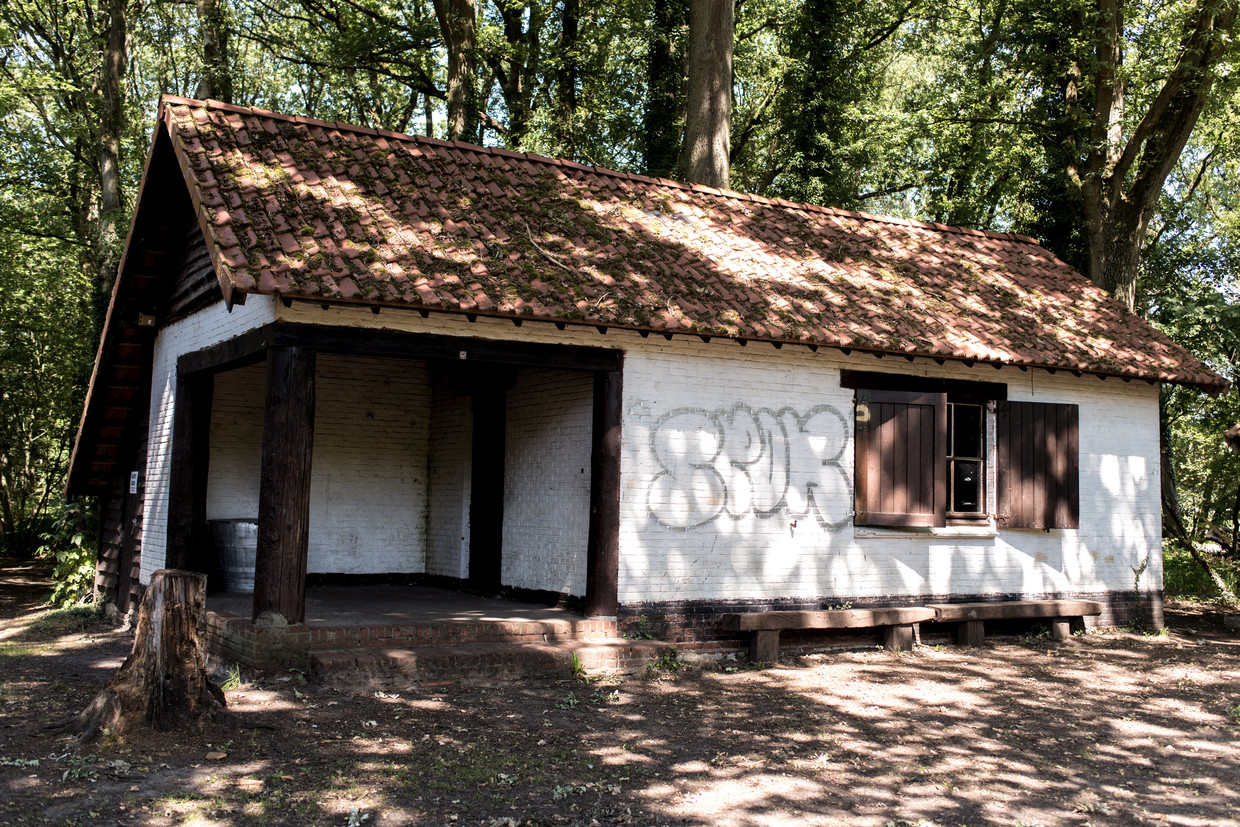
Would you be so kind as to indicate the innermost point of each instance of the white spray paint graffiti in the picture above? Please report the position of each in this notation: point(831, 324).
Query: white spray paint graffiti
point(740, 460)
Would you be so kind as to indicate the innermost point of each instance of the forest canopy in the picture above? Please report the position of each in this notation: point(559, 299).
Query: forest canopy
point(1106, 129)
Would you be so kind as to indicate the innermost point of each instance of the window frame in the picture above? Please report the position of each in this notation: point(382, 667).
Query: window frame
point(1029, 472)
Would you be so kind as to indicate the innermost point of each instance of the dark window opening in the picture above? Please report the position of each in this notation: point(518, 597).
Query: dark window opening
point(966, 458)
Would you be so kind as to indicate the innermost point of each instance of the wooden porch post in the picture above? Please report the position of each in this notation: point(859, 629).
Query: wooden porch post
point(284, 489)
point(603, 548)
point(187, 488)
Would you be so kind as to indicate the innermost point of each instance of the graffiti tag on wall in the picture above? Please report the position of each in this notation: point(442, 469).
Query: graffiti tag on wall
point(742, 461)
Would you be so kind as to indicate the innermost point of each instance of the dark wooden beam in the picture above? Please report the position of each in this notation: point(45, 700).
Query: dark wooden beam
point(188, 468)
point(252, 345)
point(246, 349)
point(284, 490)
point(374, 342)
point(603, 545)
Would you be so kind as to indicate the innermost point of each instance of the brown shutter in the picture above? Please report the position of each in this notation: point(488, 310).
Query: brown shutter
point(901, 449)
point(1038, 465)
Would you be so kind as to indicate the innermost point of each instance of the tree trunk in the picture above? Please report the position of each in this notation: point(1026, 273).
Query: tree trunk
point(163, 684)
point(111, 128)
point(665, 81)
point(1121, 177)
point(458, 23)
point(567, 78)
point(216, 73)
point(708, 113)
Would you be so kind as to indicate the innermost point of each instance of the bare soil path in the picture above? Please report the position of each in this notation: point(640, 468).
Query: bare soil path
point(1106, 729)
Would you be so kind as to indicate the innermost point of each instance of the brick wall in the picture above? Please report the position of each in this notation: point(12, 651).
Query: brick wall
point(197, 331)
point(447, 525)
point(547, 481)
point(368, 495)
point(236, 443)
point(738, 472)
point(737, 465)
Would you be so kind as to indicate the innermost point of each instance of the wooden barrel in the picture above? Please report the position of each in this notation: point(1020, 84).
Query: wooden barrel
point(236, 545)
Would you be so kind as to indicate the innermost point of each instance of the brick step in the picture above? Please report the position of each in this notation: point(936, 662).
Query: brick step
point(385, 666)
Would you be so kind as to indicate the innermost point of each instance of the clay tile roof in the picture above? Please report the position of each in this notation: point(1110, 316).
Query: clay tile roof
point(342, 213)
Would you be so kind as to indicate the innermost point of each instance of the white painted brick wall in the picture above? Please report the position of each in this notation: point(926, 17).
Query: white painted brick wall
point(206, 327)
point(236, 443)
point(753, 550)
point(715, 500)
point(368, 498)
point(451, 454)
point(547, 480)
point(368, 487)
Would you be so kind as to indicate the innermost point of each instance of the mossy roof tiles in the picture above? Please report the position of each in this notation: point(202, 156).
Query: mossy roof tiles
point(306, 209)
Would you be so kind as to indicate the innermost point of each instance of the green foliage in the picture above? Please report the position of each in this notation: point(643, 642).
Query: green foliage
point(1183, 576)
point(642, 632)
point(71, 542)
point(669, 661)
point(957, 113)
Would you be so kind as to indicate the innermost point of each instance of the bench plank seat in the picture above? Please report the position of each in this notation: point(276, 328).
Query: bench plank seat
point(1015, 610)
point(1062, 614)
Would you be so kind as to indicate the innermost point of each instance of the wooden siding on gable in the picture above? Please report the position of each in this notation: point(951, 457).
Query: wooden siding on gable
point(196, 285)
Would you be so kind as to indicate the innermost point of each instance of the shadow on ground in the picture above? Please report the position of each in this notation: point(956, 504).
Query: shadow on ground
point(1103, 729)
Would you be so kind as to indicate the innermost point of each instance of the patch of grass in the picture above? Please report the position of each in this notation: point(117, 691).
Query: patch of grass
point(233, 681)
point(71, 619)
point(641, 632)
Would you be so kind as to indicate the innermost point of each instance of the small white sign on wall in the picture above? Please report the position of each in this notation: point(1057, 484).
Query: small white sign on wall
point(133, 481)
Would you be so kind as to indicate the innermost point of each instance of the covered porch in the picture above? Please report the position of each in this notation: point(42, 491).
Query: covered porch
point(448, 525)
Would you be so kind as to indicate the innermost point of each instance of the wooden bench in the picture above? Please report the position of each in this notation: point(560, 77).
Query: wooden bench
point(764, 627)
point(1063, 616)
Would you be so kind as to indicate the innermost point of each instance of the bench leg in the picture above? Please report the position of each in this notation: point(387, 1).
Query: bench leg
point(897, 638)
point(764, 646)
point(1061, 628)
point(971, 633)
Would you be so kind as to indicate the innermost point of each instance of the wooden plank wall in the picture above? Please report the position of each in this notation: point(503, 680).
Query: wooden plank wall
point(196, 284)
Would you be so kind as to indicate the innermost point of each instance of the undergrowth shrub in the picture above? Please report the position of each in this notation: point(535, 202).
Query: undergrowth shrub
point(71, 542)
point(1182, 575)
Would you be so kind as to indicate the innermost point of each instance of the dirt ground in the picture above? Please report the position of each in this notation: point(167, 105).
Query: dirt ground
point(1107, 729)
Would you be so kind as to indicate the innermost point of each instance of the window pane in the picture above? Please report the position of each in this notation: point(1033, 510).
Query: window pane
point(966, 423)
point(966, 486)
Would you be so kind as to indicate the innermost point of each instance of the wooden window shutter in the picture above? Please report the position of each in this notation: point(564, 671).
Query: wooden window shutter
point(1038, 465)
point(901, 470)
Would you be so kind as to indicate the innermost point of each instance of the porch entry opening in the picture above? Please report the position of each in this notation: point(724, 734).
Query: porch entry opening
point(387, 457)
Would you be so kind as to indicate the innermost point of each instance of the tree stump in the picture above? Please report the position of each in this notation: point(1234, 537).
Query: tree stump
point(163, 683)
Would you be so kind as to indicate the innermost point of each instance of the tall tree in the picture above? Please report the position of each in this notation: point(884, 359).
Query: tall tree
point(458, 20)
point(216, 79)
point(665, 80)
point(1120, 171)
point(111, 130)
point(705, 157)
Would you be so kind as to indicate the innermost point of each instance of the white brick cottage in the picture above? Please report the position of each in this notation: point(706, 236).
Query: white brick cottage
point(924, 438)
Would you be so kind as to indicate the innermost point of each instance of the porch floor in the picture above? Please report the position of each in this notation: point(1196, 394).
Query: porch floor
point(398, 606)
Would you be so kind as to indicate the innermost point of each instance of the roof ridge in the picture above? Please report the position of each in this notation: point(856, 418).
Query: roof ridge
point(542, 159)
